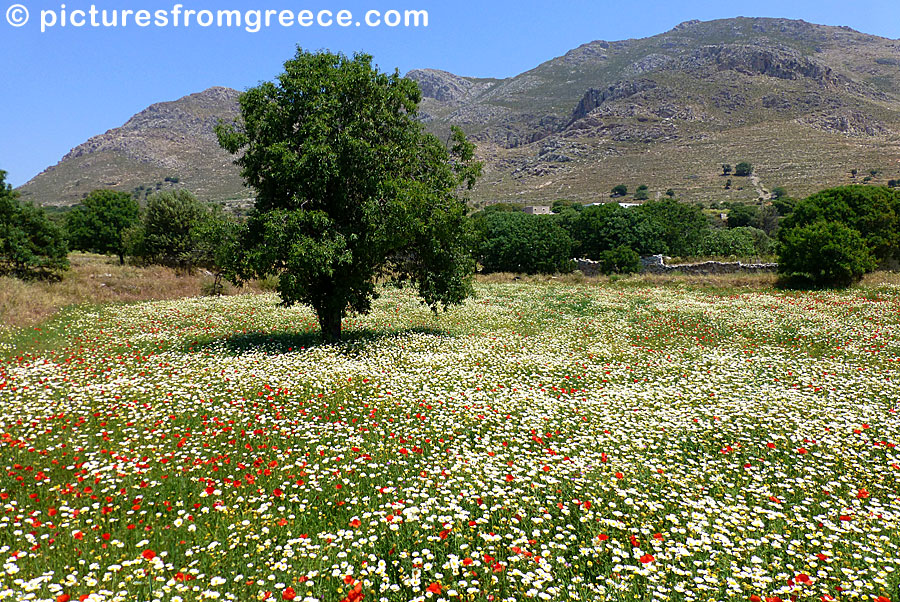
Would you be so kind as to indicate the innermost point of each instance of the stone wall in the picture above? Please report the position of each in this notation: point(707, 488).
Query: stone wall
point(656, 264)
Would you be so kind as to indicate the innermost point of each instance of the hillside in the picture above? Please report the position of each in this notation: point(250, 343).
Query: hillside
point(804, 103)
point(164, 142)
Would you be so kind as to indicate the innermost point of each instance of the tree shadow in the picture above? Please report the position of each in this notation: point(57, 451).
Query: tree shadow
point(279, 343)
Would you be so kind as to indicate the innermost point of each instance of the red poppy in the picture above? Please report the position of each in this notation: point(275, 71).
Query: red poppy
point(278, 492)
point(148, 554)
point(435, 588)
point(63, 598)
point(288, 594)
point(647, 558)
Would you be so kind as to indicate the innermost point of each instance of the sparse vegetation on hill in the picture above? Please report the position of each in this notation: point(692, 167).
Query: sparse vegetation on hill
point(799, 102)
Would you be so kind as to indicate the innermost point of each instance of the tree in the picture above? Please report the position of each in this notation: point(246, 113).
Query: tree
point(215, 245)
point(825, 254)
point(349, 187)
point(740, 216)
point(98, 223)
point(621, 260)
point(726, 169)
point(779, 192)
point(641, 194)
point(743, 169)
point(619, 190)
point(30, 244)
point(872, 211)
point(670, 193)
point(522, 243)
point(166, 234)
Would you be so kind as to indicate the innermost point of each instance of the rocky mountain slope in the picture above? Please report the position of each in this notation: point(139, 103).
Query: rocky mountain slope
point(166, 145)
point(804, 103)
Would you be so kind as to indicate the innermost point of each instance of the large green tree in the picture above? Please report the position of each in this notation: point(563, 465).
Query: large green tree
point(349, 187)
point(98, 223)
point(30, 244)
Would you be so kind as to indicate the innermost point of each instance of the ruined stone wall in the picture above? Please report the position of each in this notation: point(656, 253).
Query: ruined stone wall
point(656, 264)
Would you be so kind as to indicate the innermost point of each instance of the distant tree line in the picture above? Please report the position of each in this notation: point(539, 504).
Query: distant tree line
point(831, 238)
point(616, 236)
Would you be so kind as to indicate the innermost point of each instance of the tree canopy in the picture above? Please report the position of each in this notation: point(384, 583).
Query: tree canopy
point(349, 188)
point(98, 223)
point(30, 244)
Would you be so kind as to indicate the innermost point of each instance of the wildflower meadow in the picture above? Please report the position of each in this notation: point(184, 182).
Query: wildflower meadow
point(611, 442)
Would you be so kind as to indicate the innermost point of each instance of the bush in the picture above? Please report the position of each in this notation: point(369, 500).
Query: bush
point(621, 260)
point(518, 242)
point(620, 190)
point(741, 216)
point(872, 211)
point(166, 234)
point(735, 242)
point(824, 254)
point(97, 225)
point(743, 169)
point(30, 244)
point(642, 193)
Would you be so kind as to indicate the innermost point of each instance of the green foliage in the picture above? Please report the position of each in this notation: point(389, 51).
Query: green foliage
point(784, 205)
point(349, 188)
point(679, 227)
point(667, 227)
point(824, 253)
point(601, 228)
point(621, 260)
point(873, 212)
point(743, 169)
point(522, 243)
point(726, 169)
point(670, 193)
point(741, 216)
point(779, 192)
point(735, 242)
point(97, 225)
point(619, 190)
point(561, 205)
point(30, 244)
point(166, 234)
point(641, 194)
point(215, 245)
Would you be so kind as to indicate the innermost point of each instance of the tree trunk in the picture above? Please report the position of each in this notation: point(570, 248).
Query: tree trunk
point(330, 323)
point(121, 258)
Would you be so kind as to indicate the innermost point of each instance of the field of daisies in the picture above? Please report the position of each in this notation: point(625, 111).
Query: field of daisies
point(616, 442)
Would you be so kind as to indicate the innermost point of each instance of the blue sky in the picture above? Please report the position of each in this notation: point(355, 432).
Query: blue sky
point(65, 85)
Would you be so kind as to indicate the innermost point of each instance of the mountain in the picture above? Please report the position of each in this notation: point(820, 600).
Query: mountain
point(803, 103)
point(170, 144)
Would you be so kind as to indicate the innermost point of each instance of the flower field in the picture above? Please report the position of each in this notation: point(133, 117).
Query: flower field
point(614, 442)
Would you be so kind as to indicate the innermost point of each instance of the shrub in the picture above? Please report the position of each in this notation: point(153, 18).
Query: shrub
point(30, 244)
point(824, 254)
point(620, 190)
point(518, 242)
point(743, 169)
point(621, 260)
point(737, 242)
point(741, 216)
point(872, 211)
point(166, 234)
point(99, 222)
